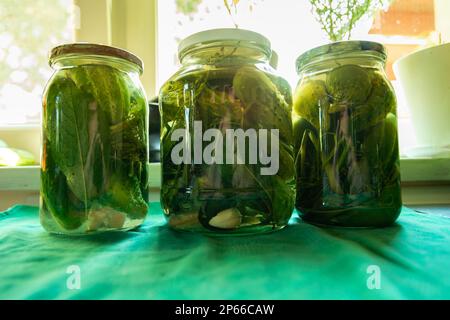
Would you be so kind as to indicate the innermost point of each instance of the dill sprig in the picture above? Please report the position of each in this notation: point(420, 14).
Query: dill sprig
point(339, 17)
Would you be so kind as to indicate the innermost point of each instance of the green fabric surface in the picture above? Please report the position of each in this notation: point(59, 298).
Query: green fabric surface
point(154, 262)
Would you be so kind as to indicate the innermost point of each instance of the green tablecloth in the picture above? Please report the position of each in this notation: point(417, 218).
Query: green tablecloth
point(300, 262)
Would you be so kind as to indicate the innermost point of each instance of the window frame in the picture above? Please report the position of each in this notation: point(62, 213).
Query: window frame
point(115, 23)
point(122, 24)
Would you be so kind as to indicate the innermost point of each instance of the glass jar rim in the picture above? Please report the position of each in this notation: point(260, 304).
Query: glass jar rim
point(93, 49)
point(233, 36)
point(330, 51)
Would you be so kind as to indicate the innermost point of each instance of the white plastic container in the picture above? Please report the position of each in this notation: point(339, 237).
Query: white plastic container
point(425, 80)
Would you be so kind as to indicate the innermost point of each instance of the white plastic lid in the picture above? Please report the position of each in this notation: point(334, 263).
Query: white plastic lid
point(230, 34)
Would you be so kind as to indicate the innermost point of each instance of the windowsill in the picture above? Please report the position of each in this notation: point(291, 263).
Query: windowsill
point(20, 127)
point(27, 178)
point(425, 181)
point(19, 178)
point(425, 170)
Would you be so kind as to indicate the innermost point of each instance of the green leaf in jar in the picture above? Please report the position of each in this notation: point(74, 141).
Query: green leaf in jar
point(55, 194)
point(278, 197)
point(308, 160)
point(283, 200)
point(101, 117)
point(70, 142)
point(300, 126)
point(348, 85)
point(170, 100)
point(179, 93)
point(310, 99)
point(337, 162)
point(308, 164)
point(128, 139)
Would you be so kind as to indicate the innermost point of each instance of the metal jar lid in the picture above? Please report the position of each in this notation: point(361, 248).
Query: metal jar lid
point(91, 49)
point(240, 36)
point(332, 50)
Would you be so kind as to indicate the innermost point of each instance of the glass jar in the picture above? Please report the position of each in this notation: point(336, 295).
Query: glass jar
point(345, 133)
point(226, 149)
point(95, 141)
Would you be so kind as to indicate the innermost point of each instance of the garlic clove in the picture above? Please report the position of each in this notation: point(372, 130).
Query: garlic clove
point(227, 219)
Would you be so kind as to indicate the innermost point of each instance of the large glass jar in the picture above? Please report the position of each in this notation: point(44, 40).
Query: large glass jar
point(227, 154)
point(95, 142)
point(345, 133)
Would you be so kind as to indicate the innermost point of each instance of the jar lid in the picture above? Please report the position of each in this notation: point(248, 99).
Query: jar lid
point(228, 34)
point(342, 47)
point(94, 50)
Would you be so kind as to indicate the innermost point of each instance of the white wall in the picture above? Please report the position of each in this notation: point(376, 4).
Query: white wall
point(442, 12)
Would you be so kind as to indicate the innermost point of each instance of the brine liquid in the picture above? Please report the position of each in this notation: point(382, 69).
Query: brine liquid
point(347, 157)
point(226, 198)
point(94, 174)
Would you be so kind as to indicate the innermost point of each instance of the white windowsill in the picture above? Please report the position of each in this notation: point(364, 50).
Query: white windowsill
point(20, 127)
point(27, 178)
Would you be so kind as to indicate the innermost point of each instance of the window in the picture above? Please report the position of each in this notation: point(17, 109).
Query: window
point(406, 26)
point(153, 28)
point(28, 30)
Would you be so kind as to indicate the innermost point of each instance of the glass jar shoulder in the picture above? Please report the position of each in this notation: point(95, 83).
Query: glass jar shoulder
point(195, 78)
point(190, 72)
point(343, 87)
point(252, 95)
point(333, 74)
point(107, 86)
